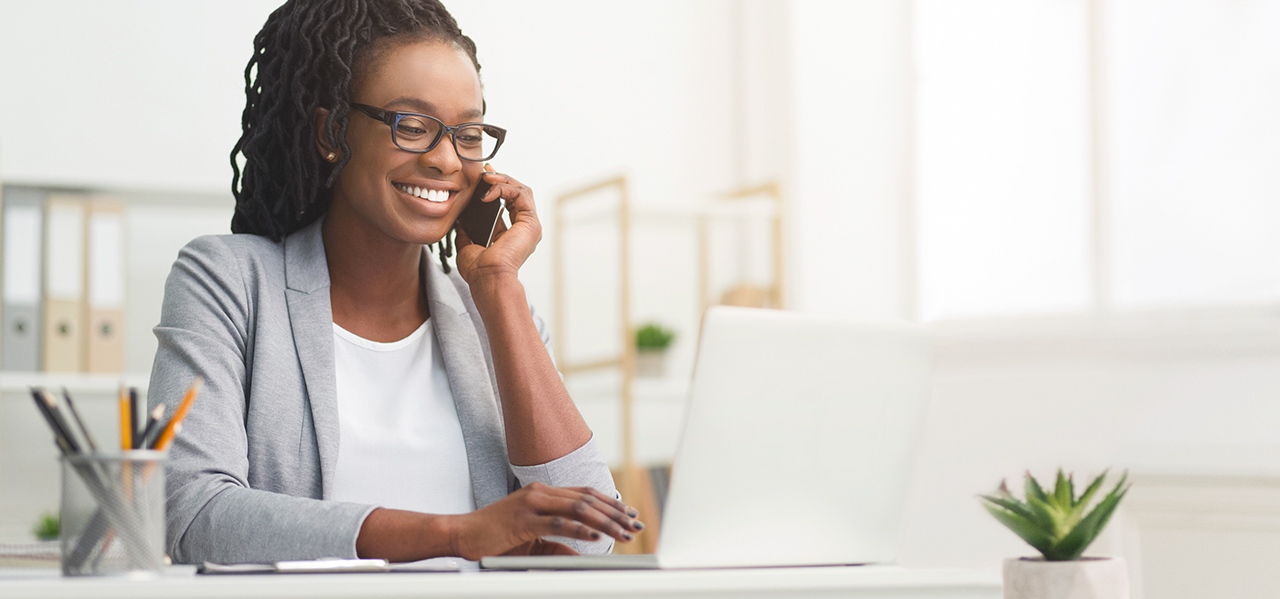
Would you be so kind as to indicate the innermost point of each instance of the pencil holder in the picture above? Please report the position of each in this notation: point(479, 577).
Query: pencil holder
point(113, 513)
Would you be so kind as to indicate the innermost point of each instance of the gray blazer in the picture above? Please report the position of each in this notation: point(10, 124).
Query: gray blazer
point(248, 474)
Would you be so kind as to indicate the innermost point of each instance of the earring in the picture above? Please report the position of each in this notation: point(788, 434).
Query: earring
point(331, 157)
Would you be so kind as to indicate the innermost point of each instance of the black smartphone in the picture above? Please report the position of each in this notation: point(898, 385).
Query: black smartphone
point(480, 219)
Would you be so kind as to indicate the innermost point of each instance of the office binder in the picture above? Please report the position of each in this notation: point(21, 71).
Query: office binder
point(64, 304)
point(20, 342)
point(104, 282)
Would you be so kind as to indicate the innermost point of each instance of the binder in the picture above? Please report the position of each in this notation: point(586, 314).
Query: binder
point(104, 283)
point(64, 304)
point(20, 296)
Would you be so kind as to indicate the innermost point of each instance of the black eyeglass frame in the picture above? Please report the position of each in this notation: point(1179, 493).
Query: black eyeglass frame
point(392, 119)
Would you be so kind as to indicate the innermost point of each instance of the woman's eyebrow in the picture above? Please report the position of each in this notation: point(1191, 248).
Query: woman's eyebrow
point(419, 105)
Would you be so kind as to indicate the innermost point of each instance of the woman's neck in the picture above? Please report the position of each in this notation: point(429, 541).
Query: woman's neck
point(375, 283)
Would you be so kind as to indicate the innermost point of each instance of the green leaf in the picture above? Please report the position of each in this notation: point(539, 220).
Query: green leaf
point(1022, 527)
point(1062, 491)
point(1090, 490)
point(1012, 505)
point(1044, 516)
point(1084, 533)
point(1033, 488)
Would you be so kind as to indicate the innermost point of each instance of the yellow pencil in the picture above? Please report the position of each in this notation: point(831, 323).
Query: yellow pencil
point(171, 428)
point(126, 424)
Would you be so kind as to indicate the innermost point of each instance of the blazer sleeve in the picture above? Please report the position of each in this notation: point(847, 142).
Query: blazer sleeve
point(212, 513)
point(582, 467)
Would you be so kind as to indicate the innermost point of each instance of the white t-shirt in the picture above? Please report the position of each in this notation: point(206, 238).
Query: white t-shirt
point(401, 444)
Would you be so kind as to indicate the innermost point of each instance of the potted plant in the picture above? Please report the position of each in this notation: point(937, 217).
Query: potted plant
point(47, 527)
point(652, 341)
point(1060, 525)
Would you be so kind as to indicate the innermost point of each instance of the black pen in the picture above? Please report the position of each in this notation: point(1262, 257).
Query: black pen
point(58, 436)
point(133, 417)
point(71, 407)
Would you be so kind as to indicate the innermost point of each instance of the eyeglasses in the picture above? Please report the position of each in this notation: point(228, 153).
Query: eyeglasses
point(419, 133)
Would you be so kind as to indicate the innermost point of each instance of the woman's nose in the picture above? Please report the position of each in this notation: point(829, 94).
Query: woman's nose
point(443, 157)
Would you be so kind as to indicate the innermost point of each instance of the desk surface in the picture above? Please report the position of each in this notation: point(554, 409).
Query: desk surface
point(863, 582)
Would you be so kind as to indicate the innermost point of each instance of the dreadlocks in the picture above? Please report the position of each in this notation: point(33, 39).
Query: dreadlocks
point(305, 58)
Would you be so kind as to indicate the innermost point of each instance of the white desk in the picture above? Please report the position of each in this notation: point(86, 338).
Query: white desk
point(871, 582)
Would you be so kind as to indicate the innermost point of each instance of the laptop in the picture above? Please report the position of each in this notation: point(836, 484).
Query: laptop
point(797, 449)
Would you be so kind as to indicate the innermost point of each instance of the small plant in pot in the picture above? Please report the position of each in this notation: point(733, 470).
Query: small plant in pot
point(1060, 525)
point(48, 527)
point(652, 341)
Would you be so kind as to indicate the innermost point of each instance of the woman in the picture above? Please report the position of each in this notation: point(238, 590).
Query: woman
point(360, 398)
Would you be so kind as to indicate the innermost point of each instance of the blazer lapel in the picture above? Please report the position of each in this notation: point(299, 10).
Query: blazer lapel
point(473, 387)
point(311, 318)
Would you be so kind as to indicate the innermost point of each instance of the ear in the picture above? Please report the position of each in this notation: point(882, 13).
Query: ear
point(327, 152)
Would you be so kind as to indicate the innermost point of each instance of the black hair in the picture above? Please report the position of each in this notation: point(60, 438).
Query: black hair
point(304, 58)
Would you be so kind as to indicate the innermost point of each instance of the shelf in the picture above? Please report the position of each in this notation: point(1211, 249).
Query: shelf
point(76, 383)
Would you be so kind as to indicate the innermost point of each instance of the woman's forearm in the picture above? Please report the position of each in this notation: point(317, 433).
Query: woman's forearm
point(403, 536)
point(542, 423)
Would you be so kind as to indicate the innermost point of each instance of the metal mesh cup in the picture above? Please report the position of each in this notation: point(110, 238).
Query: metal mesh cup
point(113, 513)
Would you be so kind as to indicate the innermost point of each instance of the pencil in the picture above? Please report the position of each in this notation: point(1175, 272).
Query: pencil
point(58, 436)
point(75, 414)
point(152, 427)
point(126, 427)
point(170, 428)
point(49, 400)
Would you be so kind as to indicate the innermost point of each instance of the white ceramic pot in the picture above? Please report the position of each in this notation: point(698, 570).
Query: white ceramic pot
point(1085, 578)
point(651, 363)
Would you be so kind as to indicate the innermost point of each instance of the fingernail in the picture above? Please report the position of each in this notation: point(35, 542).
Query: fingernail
point(595, 536)
point(638, 524)
point(632, 512)
point(627, 536)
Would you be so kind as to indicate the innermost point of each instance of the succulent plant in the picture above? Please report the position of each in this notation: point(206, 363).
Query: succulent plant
point(653, 336)
point(1056, 523)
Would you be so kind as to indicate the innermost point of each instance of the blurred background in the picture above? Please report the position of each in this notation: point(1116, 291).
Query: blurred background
point(1081, 197)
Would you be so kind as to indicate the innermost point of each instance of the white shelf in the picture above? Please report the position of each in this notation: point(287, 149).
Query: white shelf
point(21, 382)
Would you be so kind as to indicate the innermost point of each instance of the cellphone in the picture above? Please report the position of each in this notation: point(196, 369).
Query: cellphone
point(480, 219)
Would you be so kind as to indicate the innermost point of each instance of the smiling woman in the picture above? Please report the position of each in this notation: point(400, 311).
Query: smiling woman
point(362, 399)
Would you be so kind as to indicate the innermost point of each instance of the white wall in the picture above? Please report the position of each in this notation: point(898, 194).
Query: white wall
point(852, 202)
point(1195, 136)
point(124, 94)
point(1003, 157)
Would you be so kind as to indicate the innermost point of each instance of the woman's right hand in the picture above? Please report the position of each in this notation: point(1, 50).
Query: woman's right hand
point(539, 510)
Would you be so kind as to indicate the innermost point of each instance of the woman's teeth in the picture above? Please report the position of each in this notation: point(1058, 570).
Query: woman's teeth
point(430, 195)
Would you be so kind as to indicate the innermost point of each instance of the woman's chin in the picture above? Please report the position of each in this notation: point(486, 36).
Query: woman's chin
point(426, 234)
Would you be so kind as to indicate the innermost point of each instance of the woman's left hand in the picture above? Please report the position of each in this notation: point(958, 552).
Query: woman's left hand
point(510, 247)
